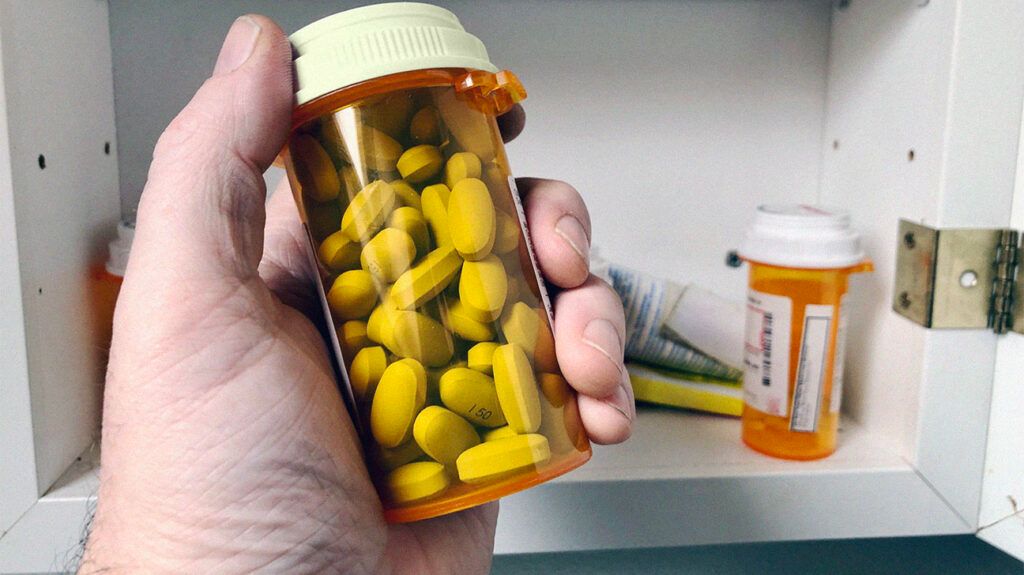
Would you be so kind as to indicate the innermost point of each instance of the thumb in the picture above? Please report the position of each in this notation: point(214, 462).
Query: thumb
point(202, 212)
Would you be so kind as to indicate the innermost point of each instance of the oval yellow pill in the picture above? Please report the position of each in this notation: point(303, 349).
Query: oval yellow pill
point(423, 281)
point(498, 433)
point(352, 336)
point(420, 163)
point(367, 211)
point(388, 255)
point(517, 388)
point(396, 457)
point(483, 287)
point(380, 325)
point(544, 357)
point(471, 219)
point(470, 128)
point(374, 150)
point(480, 356)
point(314, 169)
point(338, 252)
point(406, 194)
point(443, 435)
point(464, 325)
point(417, 336)
point(506, 233)
point(390, 114)
point(400, 395)
point(472, 395)
point(494, 459)
point(435, 211)
point(460, 166)
point(352, 295)
point(411, 221)
point(520, 326)
point(417, 480)
point(425, 126)
point(366, 370)
point(497, 180)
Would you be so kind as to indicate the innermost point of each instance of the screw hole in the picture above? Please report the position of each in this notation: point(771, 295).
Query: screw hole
point(904, 300)
point(42, 162)
point(106, 148)
point(40, 291)
point(909, 240)
point(910, 155)
point(968, 279)
point(733, 260)
point(835, 144)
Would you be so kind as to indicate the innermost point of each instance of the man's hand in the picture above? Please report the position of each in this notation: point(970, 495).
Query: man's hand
point(226, 445)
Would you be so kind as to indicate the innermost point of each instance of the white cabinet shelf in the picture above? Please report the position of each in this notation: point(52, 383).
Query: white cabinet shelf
point(674, 120)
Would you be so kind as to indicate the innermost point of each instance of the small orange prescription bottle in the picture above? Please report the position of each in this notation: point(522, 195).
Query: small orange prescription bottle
point(801, 258)
point(438, 317)
point(105, 285)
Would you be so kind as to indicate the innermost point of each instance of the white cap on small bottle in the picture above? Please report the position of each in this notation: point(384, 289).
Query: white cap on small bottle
point(120, 247)
point(801, 236)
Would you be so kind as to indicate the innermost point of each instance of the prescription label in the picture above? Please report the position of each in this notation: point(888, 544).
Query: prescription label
point(529, 250)
point(837, 371)
point(766, 352)
point(810, 370)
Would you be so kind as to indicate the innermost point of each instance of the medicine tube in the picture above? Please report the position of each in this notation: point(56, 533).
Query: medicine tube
point(801, 258)
point(438, 317)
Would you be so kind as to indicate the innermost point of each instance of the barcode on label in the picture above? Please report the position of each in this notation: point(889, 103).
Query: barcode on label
point(766, 349)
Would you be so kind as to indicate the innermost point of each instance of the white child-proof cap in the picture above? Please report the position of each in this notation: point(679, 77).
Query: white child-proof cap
point(800, 236)
point(374, 41)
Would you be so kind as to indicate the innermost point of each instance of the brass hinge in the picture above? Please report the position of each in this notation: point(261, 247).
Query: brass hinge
point(958, 278)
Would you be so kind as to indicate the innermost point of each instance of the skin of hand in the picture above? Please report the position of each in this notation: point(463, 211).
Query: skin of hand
point(226, 445)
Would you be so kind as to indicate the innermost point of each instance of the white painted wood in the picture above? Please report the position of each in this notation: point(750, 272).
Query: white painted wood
point(1002, 495)
point(60, 105)
point(17, 457)
point(942, 79)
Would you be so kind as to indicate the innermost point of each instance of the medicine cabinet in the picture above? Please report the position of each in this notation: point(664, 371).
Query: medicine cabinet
point(674, 120)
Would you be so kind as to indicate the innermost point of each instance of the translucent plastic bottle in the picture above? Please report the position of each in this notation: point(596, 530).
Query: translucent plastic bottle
point(801, 258)
point(440, 321)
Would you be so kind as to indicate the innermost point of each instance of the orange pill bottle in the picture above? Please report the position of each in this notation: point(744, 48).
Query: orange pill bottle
point(801, 258)
point(437, 315)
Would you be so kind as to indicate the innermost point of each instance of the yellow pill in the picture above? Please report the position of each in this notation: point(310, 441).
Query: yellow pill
point(520, 326)
point(544, 357)
point(460, 166)
point(411, 221)
point(389, 114)
point(417, 336)
point(423, 281)
point(388, 255)
point(405, 194)
point(396, 457)
point(352, 295)
point(498, 433)
point(400, 395)
point(338, 252)
point(435, 211)
point(562, 425)
point(420, 163)
point(470, 128)
point(480, 356)
point(472, 395)
point(373, 150)
point(517, 388)
point(425, 126)
point(442, 434)
point(497, 181)
point(464, 325)
point(366, 370)
point(368, 210)
point(494, 459)
point(554, 387)
point(471, 219)
point(314, 169)
point(417, 480)
point(483, 287)
point(506, 233)
point(353, 337)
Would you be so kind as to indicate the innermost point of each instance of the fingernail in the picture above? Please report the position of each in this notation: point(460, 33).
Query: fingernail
point(622, 401)
point(601, 335)
point(572, 233)
point(238, 45)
